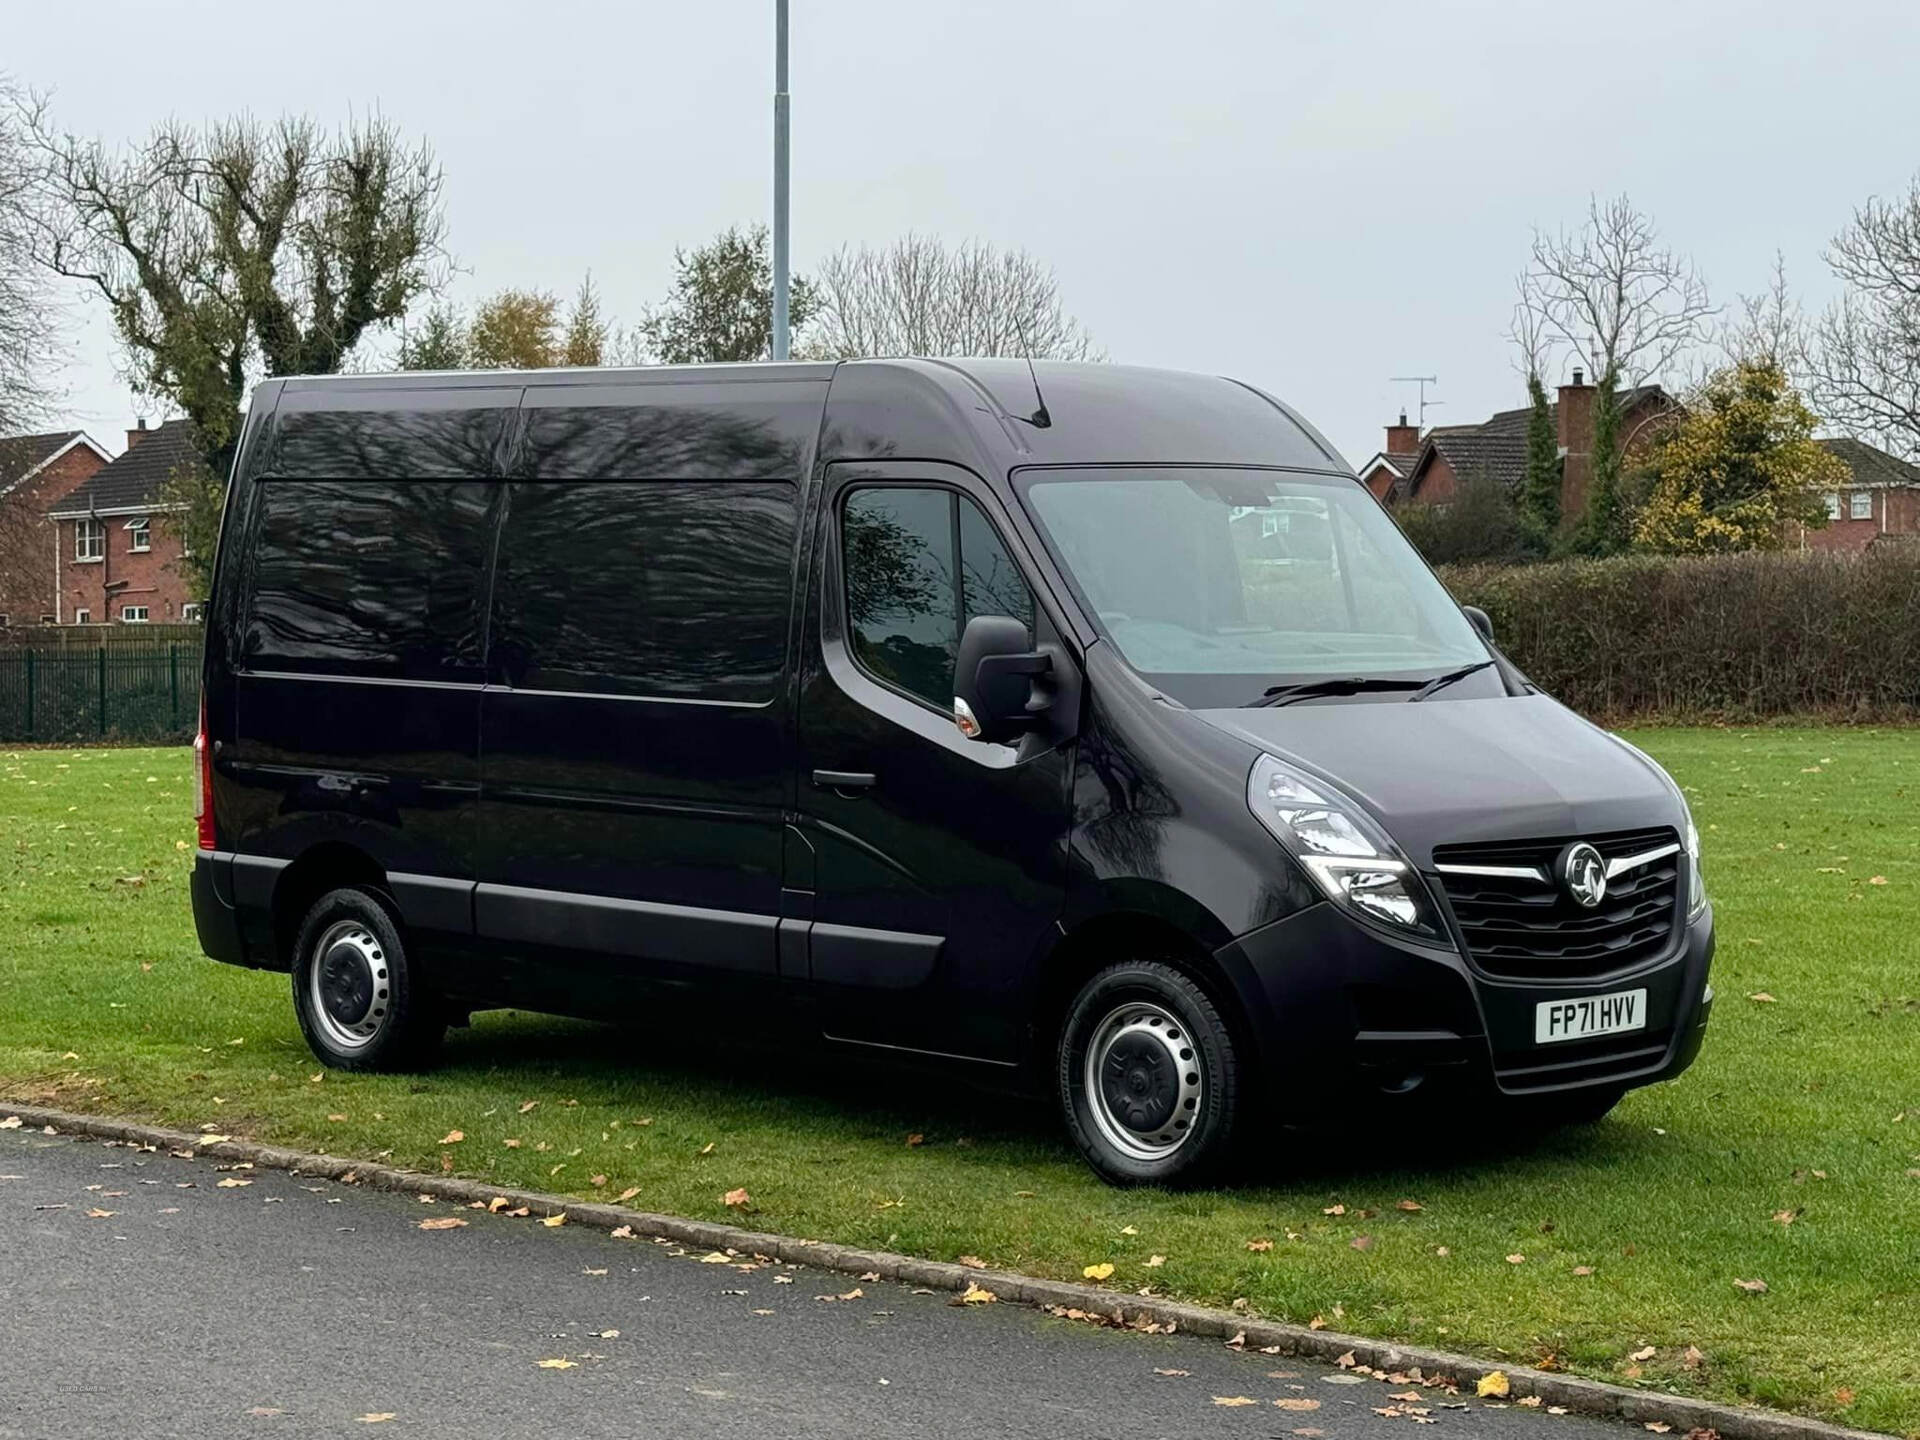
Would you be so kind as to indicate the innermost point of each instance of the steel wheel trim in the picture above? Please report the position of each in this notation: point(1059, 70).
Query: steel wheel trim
point(1144, 1081)
point(348, 987)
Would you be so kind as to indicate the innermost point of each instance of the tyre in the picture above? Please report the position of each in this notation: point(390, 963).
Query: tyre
point(361, 1001)
point(1149, 1078)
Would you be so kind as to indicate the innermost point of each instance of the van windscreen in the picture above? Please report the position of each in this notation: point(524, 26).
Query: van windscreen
point(1218, 583)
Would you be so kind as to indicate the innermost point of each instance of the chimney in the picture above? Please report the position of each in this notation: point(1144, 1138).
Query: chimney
point(1575, 413)
point(1403, 439)
point(134, 437)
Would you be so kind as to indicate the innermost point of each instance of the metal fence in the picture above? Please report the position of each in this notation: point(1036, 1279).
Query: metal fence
point(147, 691)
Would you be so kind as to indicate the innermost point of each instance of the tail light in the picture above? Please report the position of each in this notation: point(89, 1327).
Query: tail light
point(203, 782)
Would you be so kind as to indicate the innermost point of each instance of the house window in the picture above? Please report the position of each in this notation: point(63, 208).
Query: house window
point(192, 612)
point(1860, 505)
point(89, 539)
point(83, 617)
point(139, 534)
point(133, 614)
point(1833, 504)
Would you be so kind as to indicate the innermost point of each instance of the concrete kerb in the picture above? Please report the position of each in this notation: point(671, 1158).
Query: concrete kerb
point(1591, 1397)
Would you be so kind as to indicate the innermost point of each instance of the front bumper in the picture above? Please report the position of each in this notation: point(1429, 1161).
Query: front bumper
point(1340, 1011)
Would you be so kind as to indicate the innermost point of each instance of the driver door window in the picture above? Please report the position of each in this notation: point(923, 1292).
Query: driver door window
point(919, 563)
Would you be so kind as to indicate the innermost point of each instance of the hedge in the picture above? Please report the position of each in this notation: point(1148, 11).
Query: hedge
point(1728, 637)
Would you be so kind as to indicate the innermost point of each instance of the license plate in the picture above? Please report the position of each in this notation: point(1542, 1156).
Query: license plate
point(1583, 1019)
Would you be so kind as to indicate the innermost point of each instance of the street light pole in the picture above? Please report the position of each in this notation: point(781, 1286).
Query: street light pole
point(780, 147)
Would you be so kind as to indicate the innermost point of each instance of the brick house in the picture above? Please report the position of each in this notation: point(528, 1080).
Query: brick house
point(1496, 449)
point(117, 563)
point(1880, 503)
point(1393, 465)
point(36, 472)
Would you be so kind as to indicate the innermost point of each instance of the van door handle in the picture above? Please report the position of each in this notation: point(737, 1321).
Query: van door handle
point(844, 779)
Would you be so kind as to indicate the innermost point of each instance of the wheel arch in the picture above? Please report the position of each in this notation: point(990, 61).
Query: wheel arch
point(326, 866)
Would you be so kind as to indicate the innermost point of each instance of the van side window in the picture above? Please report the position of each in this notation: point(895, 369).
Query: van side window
point(369, 578)
point(920, 563)
point(677, 589)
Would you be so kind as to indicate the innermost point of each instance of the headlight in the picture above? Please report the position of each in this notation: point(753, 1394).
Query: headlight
point(1696, 882)
point(1342, 849)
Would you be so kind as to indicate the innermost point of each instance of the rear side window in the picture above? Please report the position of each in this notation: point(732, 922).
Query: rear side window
point(920, 563)
point(667, 588)
point(369, 578)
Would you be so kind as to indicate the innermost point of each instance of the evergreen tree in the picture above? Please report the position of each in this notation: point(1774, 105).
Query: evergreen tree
point(1540, 490)
point(1604, 527)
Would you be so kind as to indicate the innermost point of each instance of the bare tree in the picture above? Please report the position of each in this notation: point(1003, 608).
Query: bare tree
point(1615, 296)
point(233, 251)
point(1866, 353)
point(1768, 328)
point(29, 347)
point(918, 296)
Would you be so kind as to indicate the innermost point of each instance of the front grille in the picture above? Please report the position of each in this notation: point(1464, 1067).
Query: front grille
point(1525, 928)
point(1611, 1058)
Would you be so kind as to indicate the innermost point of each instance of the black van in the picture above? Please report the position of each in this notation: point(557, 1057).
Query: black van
point(1085, 727)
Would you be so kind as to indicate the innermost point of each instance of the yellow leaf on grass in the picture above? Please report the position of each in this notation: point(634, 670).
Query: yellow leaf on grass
point(627, 1194)
point(1752, 1287)
point(1154, 1262)
point(707, 1149)
point(1494, 1382)
point(443, 1222)
point(527, 1105)
point(974, 1295)
point(1097, 1272)
point(453, 1137)
point(554, 1222)
point(1410, 1206)
point(1645, 1352)
point(1259, 1247)
point(556, 1364)
point(737, 1199)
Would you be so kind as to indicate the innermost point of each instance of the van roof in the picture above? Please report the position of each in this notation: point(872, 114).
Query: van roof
point(979, 410)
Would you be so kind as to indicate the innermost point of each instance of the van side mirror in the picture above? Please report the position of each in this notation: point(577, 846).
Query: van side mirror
point(1481, 621)
point(999, 681)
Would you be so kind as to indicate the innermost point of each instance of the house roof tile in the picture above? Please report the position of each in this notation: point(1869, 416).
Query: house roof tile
point(20, 455)
point(1871, 465)
point(134, 480)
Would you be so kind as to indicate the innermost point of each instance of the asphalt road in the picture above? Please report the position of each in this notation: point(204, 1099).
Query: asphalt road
point(290, 1306)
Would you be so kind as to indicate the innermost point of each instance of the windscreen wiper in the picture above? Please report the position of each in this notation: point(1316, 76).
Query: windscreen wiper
point(1342, 685)
point(1440, 682)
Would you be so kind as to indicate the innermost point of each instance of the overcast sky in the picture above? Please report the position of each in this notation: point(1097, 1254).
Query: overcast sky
point(1313, 197)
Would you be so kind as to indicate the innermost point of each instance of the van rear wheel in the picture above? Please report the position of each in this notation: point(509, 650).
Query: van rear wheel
point(1149, 1080)
point(360, 1000)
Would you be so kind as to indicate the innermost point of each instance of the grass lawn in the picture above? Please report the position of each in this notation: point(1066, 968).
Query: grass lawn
point(1789, 1154)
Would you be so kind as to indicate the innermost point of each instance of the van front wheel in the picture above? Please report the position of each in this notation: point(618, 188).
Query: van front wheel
point(360, 1001)
point(1149, 1080)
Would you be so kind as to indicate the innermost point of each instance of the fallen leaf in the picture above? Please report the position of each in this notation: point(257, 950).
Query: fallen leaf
point(376, 1417)
point(453, 1137)
point(1658, 1427)
point(1361, 1242)
point(609, 1334)
point(736, 1199)
point(1334, 1210)
point(624, 1232)
point(1583, 1269)
point(497, 1204)
point(1530, 1402)
point(1442, 1251)
point(1494, 1382)
point(915, 1140)
point(1347, 1361)
point(974, 1295)
point(1409, 1206)
point(1296, 1402)
point(443, 1222)
point(511, 1144)
point(1876, 880)
point(527, 1105)
point(973, 1262)
point(626, 1194)
point(596, 1180)
point(1752, 1287)
point(1097, 1272)
point(1129, 1230)
point(1692, 1359)
point(1645, 1352)
point(1154, 1262)
point(233, 1182)
point(601, 1271)
point(1318, 1322)
point(1785, 1217)
point(561, 1363)
point(97, 1214)
point(707, 1149)
point(1259, 1246)
point(1516, 1259)
point(1843, 1396)
point(1761, 997)
point(211, 1139)
point(554, 1222)
point(1158, 1371)
point(1232, 1400)
point(12, 1122)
